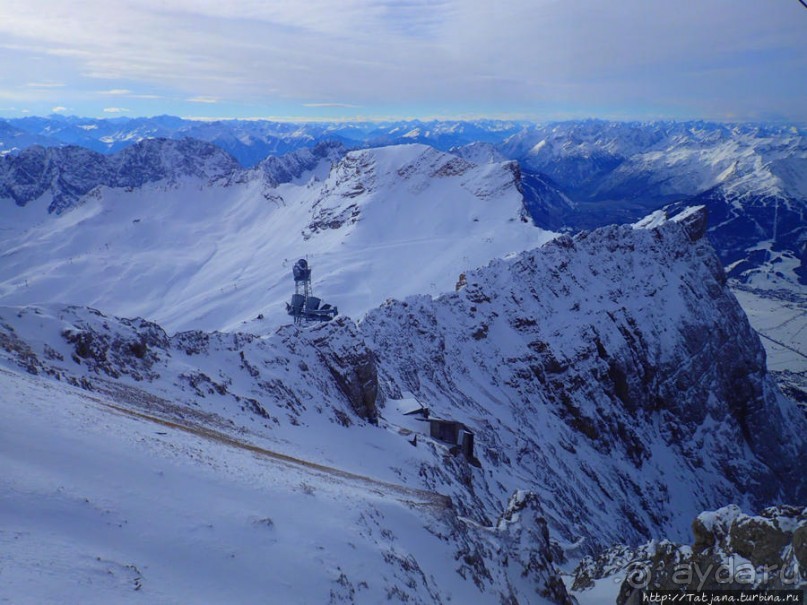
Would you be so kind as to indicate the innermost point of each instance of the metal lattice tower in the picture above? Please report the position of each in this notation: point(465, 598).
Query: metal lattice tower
point(304, 305)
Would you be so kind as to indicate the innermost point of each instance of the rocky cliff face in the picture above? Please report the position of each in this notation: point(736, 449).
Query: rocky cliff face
point(615, 363)
point(286, 168)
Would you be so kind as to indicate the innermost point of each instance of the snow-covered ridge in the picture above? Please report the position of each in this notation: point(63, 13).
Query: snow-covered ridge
point(213, 250)
point(66, 174)
point(615, 364)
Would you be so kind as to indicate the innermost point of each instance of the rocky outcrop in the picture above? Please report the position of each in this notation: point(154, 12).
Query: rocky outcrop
point(132, 350)
point(527, 548)
point(730, 551)
point(351, 364)
point(66, 173)
point(286, 168)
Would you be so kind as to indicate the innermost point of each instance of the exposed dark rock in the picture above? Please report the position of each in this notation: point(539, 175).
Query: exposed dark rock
point(70, 173)
point(286, 168)
point(19, 349)
point(731, 551)
point(351, 363)
point(129, 348)
point(695, 223)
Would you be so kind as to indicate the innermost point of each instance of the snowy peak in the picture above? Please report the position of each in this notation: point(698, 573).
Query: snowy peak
point(416, 192)
point(165, 159)
point(287, 168)
point(417, 167)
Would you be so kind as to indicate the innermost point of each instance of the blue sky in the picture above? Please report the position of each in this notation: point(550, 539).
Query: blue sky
point(729, 60)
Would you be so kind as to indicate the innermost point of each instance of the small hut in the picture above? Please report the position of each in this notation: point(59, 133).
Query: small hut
point(454, 433)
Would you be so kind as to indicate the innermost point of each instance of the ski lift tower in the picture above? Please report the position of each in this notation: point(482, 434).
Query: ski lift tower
point(304, 305)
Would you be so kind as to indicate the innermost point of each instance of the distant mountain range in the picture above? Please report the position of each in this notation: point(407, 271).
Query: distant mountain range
point(249, 141)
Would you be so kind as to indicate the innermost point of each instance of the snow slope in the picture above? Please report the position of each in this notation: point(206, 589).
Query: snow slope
point(625, 401)
point(99, 506)
point(278, 475)
point(210, 254)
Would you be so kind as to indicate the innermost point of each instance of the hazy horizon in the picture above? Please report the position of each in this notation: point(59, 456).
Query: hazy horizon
point(380, 121)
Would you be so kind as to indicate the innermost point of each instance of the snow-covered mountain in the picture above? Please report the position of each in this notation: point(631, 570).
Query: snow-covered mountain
point(209, 246)
point(660, 161)
point(65, 174)
point(577, 174)
point(757, 213)
point(611, 380)
point(750, 177)
point(13, 139)
point(287, 168)
point(248, 141)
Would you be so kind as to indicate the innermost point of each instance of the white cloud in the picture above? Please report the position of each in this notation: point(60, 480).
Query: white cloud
point(58, 109)
point(45, 84)
point(116, 109)
point(348, 105)
point(741, 55)
point(124, 92)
